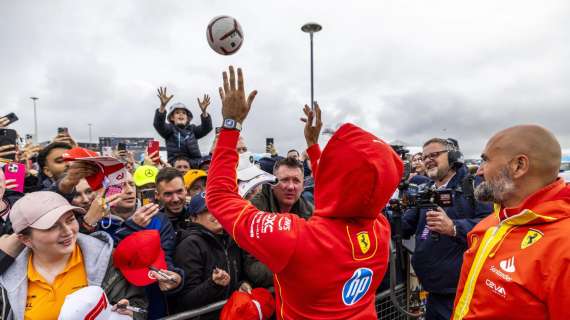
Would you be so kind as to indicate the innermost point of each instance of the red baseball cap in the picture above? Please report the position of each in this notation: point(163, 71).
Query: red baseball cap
point(242, 305)
point(136, 254)
point(78, 153)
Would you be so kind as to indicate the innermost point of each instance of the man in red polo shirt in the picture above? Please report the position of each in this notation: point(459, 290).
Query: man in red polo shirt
point(330, 266)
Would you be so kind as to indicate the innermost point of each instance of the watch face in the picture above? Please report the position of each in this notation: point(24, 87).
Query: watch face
point(229, 123)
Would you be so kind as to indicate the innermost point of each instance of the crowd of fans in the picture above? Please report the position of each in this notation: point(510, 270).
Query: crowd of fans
point(60, 232)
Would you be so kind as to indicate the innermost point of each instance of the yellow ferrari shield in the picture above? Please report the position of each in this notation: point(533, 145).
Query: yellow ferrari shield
point(531, 237)
point(363, 241)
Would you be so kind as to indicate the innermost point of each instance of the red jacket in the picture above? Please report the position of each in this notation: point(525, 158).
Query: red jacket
point(518, 262)
point(330, 266)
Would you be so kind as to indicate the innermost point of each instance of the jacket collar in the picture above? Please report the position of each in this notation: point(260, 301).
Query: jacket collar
point(96, 249)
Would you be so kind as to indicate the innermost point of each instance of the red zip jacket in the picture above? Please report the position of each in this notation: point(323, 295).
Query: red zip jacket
point(330, 266)
point(518, 262)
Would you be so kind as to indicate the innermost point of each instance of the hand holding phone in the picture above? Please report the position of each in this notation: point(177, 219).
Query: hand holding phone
point(16, 172)
point(8, 119)
point(8, 142)
point(153, 147)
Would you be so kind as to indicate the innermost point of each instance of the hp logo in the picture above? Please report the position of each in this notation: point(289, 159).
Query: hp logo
point(357, 286)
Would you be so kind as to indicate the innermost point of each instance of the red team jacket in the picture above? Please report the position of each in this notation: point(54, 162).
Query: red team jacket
point(330, 266)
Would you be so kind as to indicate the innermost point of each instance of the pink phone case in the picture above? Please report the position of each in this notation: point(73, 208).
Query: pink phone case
point(16, 171)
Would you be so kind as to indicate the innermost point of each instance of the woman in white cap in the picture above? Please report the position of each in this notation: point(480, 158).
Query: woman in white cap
point(58, 260)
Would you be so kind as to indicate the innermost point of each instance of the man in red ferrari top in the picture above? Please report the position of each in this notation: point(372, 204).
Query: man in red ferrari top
point(330, 266)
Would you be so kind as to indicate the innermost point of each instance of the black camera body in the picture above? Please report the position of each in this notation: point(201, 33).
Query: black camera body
point(425, 196)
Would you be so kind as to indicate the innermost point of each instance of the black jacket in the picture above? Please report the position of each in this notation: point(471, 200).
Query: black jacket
point(199, 253)
point(438, 263)
point(182, 140)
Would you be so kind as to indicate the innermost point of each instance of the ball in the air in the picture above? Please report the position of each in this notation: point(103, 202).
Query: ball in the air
point(224, 35)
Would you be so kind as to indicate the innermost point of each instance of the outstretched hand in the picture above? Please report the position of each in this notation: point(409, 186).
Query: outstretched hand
point(204, 104)
point(312, 132)
point(234, 104)
point(164, 98)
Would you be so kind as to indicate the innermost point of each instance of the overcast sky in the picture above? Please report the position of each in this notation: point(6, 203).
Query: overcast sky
point(406, 70)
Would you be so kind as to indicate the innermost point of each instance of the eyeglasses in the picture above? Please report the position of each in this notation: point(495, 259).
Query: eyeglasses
point(433, 155)
point(242, 150)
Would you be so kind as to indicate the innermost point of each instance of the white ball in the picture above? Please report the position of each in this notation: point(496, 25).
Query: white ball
point(224, 35)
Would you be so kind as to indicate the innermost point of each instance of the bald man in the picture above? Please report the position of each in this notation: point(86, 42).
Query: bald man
point(518, 262)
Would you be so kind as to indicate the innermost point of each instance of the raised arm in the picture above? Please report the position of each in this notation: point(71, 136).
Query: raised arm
point(260, 233)
point(163, 128)
point(312, 133)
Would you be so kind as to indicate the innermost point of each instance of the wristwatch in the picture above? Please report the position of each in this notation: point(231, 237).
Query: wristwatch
point(231, 124)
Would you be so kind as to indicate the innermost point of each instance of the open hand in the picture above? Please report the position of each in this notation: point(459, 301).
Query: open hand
point(234, 104)
point(312, 132)
point(204, 104)
point(164, 98)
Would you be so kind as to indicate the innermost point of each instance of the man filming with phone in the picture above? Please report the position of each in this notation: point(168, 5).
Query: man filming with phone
point(441, 234)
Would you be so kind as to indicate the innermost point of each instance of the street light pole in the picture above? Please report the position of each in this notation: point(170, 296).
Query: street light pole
point(35, 120)
point(90, 124)
point(311, 28)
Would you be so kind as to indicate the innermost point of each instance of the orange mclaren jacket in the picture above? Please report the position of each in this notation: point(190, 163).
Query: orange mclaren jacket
point(518, 262)
point(330, 266)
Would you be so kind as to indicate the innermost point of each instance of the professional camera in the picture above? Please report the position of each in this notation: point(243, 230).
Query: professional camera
point(425, 196)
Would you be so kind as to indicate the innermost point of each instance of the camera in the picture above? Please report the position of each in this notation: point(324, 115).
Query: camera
point(425, 196)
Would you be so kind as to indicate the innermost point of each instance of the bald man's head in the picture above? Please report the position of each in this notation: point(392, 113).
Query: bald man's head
point(536, 142)
point(518, 161)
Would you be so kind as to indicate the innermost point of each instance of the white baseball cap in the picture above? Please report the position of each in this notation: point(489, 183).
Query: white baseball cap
point(249, 175)
point(89, 303)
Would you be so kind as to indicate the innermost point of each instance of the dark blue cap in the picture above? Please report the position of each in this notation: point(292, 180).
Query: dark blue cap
point(197, 204)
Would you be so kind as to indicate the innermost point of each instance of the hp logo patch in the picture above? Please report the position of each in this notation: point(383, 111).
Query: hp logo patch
point(357, 286)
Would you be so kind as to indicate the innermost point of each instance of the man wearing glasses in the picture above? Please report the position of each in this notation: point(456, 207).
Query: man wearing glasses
point(441, 234)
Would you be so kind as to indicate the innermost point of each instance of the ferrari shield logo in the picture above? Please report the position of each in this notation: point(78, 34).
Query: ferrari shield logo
point(363, 241)
point(531, 237)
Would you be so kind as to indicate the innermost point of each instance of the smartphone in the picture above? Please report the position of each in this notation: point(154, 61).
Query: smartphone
point(121, 146)
point(62, 130)
point(268, 142)
point(107, 151)
point(11, 118)
point(16, 171)
point(148, 196)
point(8, 137)
point(153, 146)
point(113, 190)
point(29, 138)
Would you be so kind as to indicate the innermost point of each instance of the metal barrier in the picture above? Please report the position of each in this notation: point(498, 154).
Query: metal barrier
point(384, 307)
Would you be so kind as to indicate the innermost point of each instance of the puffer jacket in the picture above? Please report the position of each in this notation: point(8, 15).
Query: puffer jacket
point(182, 141)
point(327, 267)
point(97, 257)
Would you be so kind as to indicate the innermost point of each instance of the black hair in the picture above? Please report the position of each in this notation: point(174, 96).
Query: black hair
point(168, 174)
point(42, 156)
point(293, 150)
point(288, 162)
point(183, 158)
point(26, 232)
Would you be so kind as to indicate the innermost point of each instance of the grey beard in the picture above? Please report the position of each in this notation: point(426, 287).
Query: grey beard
point(496, 190)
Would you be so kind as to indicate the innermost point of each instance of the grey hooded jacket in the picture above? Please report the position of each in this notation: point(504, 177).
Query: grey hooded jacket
point(97, 256)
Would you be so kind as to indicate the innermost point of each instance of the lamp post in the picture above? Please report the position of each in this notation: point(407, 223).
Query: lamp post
point(311, 28)
point(34, 99)
point(90, 125)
